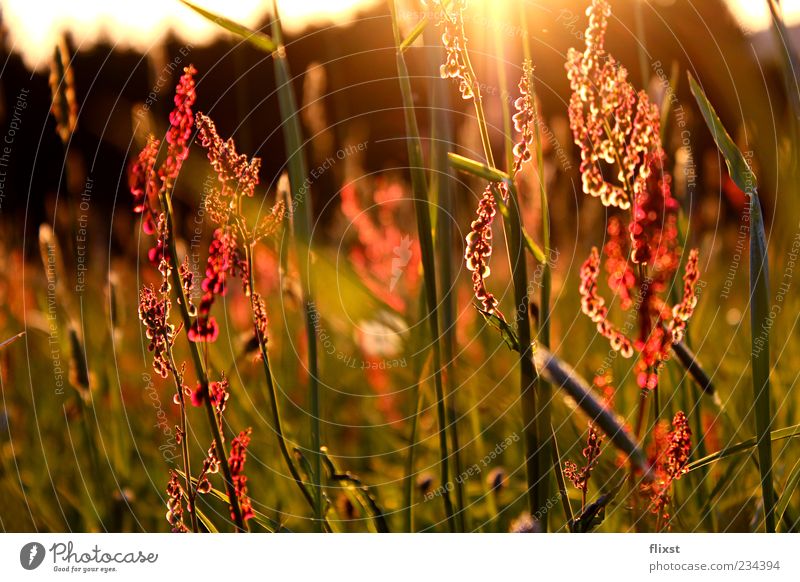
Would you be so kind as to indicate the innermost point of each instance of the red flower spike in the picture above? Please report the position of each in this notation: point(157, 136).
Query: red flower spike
point(181, 121)
point(236, 460)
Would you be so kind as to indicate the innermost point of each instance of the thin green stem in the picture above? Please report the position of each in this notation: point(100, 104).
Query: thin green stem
point(199, 365)
point(297, 175)
point(546, 435)
point(273, 396)
point(529, 377)
point(422, 212)
point(442, 192)
point(184, 442)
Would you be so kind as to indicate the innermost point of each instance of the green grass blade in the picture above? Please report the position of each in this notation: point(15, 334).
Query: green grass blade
point(257, 39)
point(776, 435)
point(441, 195)
point(760, 323)
point(420, 190)
point(477, 168)
point(414, 34)
point(738, 168)
point(791, 486)
point(301, 209)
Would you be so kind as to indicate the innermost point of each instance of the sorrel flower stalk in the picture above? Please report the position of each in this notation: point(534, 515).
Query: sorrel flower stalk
point(579, 477)
point(175, 504)
point(622, 162)
point(153, 191)
point(154, 312)
point(670, 456)
point(237, 461)
point(231, 254)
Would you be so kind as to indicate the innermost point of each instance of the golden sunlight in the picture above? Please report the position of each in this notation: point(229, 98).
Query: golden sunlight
point(34, 26)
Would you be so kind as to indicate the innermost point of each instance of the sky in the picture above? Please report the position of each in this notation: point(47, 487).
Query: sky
point(33, 26)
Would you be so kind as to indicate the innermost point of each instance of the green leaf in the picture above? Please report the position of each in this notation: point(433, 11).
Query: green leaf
point(257, 39)
point(760, 323)
point(738, 168)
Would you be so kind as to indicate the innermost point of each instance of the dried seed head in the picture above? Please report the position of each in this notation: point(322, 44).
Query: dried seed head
point(236, 460)
point(237, 175)
point(614, 126)
point(479, 250)
point(223, 261)
point(593, 305)
point(669, 455)
point(175, 504)
point(154, 315)
point(450, 16)
point(62, 86)
point(142, 183)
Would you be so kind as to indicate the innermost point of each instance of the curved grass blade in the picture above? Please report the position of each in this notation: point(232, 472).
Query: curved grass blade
point(269, 524)
point(361, 492)
point(791, 485)
point(254, 37)
point(760, 323)
point(776, 435)
point(477, 168)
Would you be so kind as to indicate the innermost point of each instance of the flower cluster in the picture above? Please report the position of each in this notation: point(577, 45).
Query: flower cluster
point(593, 305)
point(479, 250)
point(236, 460)
point(669, 455)
point(450, 16)
point(236, 173)
point(141, 184)
point(260, 319)
point(210, 466)
point(223, 261)
point(144, 181)
point(217, 393)
point(617, 127)
point(524, 118)
point(614, 126)
point(591, 452)
point(175, 504)
point(479, 240)
point(154, 314)
point(180, 128)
